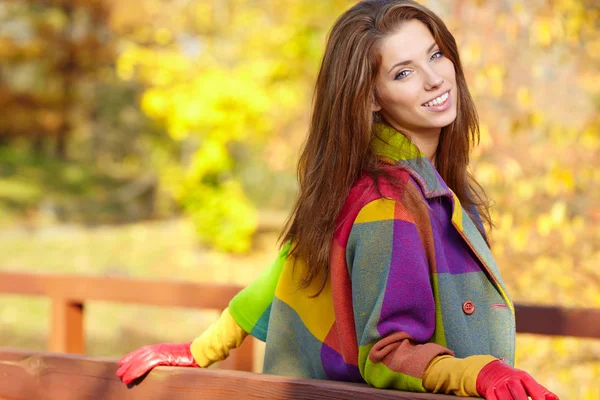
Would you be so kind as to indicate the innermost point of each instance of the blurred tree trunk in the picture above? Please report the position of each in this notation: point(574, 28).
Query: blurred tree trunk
point(39, 144)
point(68, 69)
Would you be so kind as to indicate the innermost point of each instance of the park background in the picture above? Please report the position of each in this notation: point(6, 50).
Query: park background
point(158, 139)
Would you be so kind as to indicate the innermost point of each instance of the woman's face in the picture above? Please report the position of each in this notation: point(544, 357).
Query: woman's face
point(416, 85)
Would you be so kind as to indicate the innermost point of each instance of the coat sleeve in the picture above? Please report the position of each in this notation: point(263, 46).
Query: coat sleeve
point(251, 307)
point(392, 297)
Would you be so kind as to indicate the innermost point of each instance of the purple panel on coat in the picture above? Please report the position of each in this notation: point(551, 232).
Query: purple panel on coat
point(452, 255)
point(408, 304)
point(336, 368)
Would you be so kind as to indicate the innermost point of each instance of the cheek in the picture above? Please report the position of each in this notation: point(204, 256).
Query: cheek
point(399, 99)
point(448, 71)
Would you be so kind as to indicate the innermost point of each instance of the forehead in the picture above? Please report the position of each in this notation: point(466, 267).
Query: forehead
point(408, 42)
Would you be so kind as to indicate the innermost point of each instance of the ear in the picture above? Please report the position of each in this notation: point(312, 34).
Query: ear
point(375, 104)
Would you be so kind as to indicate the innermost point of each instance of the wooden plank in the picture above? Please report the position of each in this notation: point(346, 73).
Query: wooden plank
point(70, 293)
point(545, 320)
point(557, 321)
point(66, 327)
point(29, 375)
point(169, 293)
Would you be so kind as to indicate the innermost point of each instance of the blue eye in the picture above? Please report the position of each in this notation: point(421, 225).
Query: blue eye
point(404, 73)
point(400, 75)
point(437, 54)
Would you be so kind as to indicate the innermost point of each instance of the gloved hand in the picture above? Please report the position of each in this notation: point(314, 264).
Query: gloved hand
point(142, 360)
point(498, 381)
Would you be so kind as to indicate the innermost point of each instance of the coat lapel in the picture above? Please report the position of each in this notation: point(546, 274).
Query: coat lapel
point(395, 148)
point(471, 235)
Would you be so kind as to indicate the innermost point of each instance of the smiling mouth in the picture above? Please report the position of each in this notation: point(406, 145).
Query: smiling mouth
point(438, 101)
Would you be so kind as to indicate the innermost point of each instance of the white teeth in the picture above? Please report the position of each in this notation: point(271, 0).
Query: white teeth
point(437, 100)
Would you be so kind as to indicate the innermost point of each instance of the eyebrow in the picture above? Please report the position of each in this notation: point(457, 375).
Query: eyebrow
point(409, 61)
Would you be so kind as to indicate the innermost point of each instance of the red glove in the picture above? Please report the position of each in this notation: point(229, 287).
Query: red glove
point(498, 381)
point(142, 360)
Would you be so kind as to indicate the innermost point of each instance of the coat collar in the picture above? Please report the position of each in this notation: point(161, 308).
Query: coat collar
point(395, 148)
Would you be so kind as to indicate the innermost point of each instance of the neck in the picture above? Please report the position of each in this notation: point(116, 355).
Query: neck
point(426, 141)
point(427, 145)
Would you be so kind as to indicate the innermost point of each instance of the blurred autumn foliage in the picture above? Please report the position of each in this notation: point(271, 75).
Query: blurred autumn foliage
point(117, 110)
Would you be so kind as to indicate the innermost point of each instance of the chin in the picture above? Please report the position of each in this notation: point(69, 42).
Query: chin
point(442, 123)
point(445, 121)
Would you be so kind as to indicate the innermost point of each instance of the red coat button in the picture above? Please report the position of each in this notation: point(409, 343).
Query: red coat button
point(468, 307)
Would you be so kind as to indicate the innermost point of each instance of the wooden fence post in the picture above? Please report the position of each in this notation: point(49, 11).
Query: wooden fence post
point(66, 327)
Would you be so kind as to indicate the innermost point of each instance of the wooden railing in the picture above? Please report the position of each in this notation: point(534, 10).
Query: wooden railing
point(69, 294)
point(28, 375)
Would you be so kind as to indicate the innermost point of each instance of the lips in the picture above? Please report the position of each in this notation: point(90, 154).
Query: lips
point(441, 98)
point(446, 102)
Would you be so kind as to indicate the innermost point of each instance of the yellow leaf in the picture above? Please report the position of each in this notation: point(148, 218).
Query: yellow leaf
point(518, 7)
point(541, 32)
point(523, 97)
point(568, 236)
point(558, 212)
point(495, 74)
point(485, 138)
point(589, 140)
point(506, 222)
point(154, 103)
point(536, 119)
point(544, 224)
point(525, 190)
point(471, 53)
point(163, 36)
point(519, 239)
point(177, 131)
point(592, 48)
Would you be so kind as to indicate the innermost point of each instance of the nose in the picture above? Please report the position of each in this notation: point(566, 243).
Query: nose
point(433, 80)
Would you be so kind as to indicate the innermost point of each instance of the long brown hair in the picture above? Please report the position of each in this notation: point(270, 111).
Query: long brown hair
point(337, 149)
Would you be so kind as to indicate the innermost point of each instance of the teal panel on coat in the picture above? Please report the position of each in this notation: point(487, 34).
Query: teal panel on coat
point(489, 330)
point(291, 349)
point(368, 256)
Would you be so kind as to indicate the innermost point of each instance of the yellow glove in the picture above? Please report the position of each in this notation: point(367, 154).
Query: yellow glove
point(216, 341)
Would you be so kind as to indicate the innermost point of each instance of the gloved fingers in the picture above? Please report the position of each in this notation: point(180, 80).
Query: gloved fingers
point(510, 390)
point(491, 395)
point(138, 363)
point(550, 396)
point(128, 378)
point(129, 356)
point(537, 391)
point(129, 361)
point(125, 373)
point(122, 370)
point(516, 389)
point(502, 392)
point(139, 369)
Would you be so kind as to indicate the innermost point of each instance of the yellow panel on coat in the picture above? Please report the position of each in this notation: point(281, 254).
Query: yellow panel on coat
point(377, 210)
point(457, 213)
point(316, 312)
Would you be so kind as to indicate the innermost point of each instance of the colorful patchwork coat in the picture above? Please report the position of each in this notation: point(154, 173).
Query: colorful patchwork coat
point(411, 278)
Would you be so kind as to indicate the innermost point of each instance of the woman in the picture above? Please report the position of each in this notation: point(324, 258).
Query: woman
point(385, 276)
